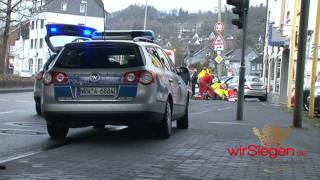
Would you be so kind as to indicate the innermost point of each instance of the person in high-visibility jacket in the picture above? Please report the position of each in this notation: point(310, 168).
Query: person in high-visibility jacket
point(204, 81)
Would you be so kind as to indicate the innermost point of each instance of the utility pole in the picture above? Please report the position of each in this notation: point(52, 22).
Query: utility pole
point(241, 8)
point(302, 46)
point(314, 64)
point(219, 20)
point(292, 49)
point(145, 16)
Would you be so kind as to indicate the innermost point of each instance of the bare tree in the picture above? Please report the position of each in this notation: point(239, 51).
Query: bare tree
point(13, 12)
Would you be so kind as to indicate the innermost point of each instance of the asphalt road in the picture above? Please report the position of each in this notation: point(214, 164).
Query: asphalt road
point(117, 152)
point(23, 132)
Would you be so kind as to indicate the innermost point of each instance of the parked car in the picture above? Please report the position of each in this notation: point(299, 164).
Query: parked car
point(306, 98)
point(56, 43)
point(253, 88)
point(25, 73)
point(117, 82)
point(38, 85)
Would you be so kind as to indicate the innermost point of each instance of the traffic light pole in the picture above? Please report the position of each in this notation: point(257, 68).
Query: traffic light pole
point(302, 46)
point(242, 68)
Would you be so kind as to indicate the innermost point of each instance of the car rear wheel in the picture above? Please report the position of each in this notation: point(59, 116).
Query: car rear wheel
point(166, 125)
point(38, 108)
point(57, 132)
point(183, 123)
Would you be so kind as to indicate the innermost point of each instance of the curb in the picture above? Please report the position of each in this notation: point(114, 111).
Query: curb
point(16, 90)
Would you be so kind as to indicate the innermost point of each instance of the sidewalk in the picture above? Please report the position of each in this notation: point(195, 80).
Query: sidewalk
point(15, 89)
point(198, 153)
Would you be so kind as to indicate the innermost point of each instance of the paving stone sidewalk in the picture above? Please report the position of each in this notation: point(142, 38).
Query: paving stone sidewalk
point(197, 153)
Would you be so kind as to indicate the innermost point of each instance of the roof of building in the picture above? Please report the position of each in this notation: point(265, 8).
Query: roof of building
point(235, 55)
point(258, 60)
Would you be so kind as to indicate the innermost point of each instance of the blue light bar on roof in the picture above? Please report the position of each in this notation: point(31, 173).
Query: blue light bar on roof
point(69, 30)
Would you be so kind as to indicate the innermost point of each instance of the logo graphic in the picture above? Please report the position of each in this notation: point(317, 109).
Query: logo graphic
point(94, 77)
point(272, 140)
point(272, 136)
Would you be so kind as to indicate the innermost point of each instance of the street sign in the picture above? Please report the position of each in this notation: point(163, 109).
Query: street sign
point(219, 27)
point(218, 59)
point(218, 40)
point(219, 47)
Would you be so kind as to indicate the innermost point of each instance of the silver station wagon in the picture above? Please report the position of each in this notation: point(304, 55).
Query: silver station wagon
point(115, 82)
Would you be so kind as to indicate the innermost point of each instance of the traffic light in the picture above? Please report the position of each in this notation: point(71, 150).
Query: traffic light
point(241, 6)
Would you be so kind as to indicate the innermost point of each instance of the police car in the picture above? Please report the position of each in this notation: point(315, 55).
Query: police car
point(117, 78)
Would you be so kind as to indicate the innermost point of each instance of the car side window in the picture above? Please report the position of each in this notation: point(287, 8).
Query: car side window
point(154, 57)
point(164, 59)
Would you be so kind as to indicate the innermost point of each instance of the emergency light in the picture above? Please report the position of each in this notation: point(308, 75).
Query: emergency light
point(69, 30)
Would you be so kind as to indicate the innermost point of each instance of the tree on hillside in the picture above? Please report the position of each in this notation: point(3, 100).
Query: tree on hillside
point(13, 12)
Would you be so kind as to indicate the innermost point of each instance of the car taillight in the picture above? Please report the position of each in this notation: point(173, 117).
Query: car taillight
point(54, 77)
point(39, 75)
point(144, 77)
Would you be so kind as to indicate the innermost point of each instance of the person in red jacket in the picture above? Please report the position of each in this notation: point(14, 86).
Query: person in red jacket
point(205, 83)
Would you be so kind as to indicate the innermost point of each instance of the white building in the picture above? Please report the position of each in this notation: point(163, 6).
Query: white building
point(278, 47)
point(31, 53)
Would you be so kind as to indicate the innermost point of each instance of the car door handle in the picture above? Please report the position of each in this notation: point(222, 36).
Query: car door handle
point(170, 80)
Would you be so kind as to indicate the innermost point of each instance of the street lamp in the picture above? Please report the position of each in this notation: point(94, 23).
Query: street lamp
point(145, 15)
point(86, 9)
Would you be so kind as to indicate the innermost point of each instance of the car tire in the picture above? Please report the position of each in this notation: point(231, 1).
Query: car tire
point(56, 132)
point(183, 123)
point(38, 108)
point(99, 127)
point(263, 99)
point(164, 131)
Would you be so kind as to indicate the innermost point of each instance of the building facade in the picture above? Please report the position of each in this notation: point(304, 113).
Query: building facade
point(278, 47)
point(31, 53)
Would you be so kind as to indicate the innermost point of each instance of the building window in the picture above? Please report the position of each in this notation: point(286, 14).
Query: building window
point(36, 24)
point(64, 6)
point(35, 43)
point(39, 64)
point(41, 23)
point(31, 65)
point(82, 8)
point(41, 43)
point(31, 44)
point(32, 25)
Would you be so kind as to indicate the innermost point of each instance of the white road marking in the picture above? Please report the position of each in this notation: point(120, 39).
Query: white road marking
point(22, 101)
point(10, 112)
point(232, 123)
point(225, 108)
point(15, 157)
point(201, 112)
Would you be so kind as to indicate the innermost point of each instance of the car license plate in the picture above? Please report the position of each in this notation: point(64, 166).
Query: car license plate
point(97, 91)
point(256, 87)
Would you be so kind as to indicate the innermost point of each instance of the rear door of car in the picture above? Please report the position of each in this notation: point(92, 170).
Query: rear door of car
point(177, 83)
point(60, 34)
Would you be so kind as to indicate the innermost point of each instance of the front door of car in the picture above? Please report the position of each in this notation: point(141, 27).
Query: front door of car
point(60, 34)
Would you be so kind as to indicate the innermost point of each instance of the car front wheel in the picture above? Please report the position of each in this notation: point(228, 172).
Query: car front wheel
point(166, 124)
point(57, 132)
point(183, 123)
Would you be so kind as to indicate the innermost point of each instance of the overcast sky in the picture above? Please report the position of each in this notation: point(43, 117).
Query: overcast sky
point(191, 5)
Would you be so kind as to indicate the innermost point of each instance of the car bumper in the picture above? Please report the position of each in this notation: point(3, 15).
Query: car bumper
point(254, 93)
point(75, 115)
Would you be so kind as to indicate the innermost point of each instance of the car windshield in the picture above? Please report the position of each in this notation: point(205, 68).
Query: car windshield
point(99, 57)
